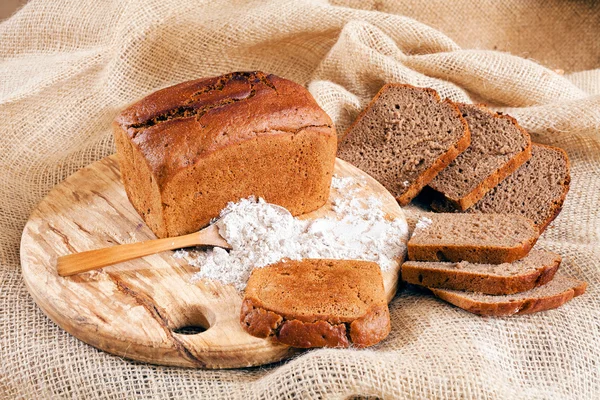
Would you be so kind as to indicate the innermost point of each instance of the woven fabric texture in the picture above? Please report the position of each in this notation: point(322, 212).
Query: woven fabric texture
point(68, 66)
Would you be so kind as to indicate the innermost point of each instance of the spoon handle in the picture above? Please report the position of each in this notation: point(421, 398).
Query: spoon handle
point(85, 261)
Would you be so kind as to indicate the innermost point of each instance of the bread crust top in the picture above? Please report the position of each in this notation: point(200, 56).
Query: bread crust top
point(337, 291)
point(177, 126)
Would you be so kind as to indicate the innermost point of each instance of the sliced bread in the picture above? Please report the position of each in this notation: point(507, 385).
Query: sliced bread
point(551, 295)
point(404, 138)
point(476, 238)
point(317, 303)
point(536, 269)
point(498, 147)
point(537, 190)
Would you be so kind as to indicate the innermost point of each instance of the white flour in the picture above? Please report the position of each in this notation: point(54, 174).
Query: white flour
point(260, 234)
point(423, 222)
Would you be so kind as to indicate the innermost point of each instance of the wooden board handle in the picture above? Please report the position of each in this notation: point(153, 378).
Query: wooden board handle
point(88, 260)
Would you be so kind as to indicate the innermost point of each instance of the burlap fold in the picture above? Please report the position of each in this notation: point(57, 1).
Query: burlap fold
point(68, 66)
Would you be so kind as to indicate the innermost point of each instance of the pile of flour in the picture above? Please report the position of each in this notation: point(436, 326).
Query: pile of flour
point(261, 234)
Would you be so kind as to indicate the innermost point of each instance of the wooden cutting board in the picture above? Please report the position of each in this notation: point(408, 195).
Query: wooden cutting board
point(146, 309)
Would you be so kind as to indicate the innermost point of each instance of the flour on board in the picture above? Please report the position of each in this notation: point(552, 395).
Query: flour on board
point(261, 234)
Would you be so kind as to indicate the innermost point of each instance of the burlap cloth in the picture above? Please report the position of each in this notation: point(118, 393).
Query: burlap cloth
point(68, 66)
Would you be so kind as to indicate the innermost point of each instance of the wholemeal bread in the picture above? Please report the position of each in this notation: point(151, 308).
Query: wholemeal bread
point(477, 238)
point(498, 147)
point(536, 269)
point(404, 137)
point(537, 190)
point(551, 295)
point(187, 150)
point(317, 303)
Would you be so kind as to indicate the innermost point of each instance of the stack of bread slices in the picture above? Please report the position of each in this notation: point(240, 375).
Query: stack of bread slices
point(484, 263)
point(497, 192)
point(473, 159)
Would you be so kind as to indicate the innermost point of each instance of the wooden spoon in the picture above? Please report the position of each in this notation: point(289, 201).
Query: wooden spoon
point(85, 261)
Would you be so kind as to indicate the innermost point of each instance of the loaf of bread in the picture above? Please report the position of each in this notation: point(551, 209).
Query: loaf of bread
point(187, 150)
point(404, 138)
point(476, 238)
point(498, 147)
point(536, 269)
point(554, 294)
point(317, 303)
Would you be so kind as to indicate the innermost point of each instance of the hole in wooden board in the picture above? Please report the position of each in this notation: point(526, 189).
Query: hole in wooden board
point(192, 320)
point(189, 330)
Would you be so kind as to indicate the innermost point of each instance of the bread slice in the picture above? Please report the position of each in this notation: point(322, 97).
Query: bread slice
point(536, 269)
point(537, 190)
point(551, 295)
point(317, 303)
point(404, 138)
point(498, 147)
point(476, 238)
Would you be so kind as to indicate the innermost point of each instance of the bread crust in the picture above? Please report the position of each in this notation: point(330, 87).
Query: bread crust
point(557, 205)
point(317, 303)
point(511, 307)
point(442, 162)
point(474, 254)
point(479, 282)
point(181, 148)
point(365, 331)
point(371, 328)
point(497, 176)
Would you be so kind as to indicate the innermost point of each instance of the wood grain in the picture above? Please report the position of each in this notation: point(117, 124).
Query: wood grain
point(136, 309)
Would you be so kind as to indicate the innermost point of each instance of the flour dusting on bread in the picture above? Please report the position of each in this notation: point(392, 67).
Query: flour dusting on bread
point(423, 223)
point(260, 234)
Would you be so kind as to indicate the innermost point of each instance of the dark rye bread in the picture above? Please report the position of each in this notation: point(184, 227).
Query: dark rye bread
point(498, 147)
point(317, 303)
point(551, 295)
point(537, 268)
point(476, 238)
point(404, 138)
point(187, 150)
point(537, 190)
